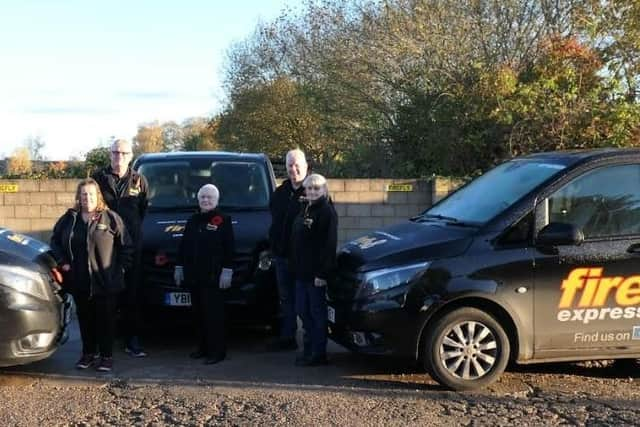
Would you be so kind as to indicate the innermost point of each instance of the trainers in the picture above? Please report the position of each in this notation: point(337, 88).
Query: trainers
point(134, 349)
point(283, 344)
point(105, 365)
point(86, 361)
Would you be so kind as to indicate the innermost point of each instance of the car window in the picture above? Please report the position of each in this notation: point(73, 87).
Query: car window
point(603, 202)
point(175, 184)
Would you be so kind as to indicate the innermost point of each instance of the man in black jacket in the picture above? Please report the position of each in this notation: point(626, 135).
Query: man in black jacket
point(285, 205)
point(125, 192)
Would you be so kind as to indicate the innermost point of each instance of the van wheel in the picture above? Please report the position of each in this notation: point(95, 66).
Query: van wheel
point(466, 349)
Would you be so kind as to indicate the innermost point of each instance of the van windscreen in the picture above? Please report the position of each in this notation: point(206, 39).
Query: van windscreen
point(490, 194)
point(174, 184)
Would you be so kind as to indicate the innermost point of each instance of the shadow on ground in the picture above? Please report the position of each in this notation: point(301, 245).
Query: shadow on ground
point(169, 343)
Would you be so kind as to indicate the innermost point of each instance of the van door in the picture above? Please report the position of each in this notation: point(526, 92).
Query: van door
point(587, 296)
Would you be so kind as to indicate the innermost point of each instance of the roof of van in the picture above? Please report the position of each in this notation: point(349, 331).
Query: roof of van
point(569, 157)
point(200, 154)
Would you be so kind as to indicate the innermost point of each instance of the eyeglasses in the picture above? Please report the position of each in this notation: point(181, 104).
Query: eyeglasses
point(314, 187)
point(120, 153)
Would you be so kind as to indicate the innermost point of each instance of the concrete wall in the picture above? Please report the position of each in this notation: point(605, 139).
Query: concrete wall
point(362, 204)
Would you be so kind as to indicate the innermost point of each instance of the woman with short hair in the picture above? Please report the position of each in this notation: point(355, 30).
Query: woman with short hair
point(314, 242)
point(205, 264)
point(93, 248)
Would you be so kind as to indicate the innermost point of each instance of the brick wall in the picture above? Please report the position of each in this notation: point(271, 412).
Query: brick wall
point(362, 204)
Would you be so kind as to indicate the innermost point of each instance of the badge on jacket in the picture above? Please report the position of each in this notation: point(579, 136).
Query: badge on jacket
point(308, 222)
point(102, 227)
point(214, 223)
point(134, 191)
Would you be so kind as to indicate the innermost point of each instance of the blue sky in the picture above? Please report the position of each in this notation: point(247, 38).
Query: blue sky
point(76, 72)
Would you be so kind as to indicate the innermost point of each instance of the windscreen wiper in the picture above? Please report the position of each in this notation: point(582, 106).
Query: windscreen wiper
point(449, 220)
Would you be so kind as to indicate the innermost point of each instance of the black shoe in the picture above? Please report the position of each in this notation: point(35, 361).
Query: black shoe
point(302, 360)
point(134, 349)
point(313, 361)
point(213, 360)
point(198, 354)
point(281, 344)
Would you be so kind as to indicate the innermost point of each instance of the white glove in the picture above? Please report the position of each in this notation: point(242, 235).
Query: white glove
point(318, 282)
point(225, 278)
point(178, 275)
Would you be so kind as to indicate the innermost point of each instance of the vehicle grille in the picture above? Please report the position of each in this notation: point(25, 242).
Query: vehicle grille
point(153, 275)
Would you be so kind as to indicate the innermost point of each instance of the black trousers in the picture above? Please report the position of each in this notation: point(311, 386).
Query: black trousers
point(96, 316)
point(208, 310)
point(130, 298)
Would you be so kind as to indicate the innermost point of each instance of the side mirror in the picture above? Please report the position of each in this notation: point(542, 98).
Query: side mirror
point(558, 234)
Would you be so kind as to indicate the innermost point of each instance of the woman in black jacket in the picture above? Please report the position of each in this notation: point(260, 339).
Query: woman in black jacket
point(205, 264)
point(93, 248)
point(314, 238)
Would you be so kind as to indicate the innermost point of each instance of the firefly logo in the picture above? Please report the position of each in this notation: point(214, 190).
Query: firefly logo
point(174, 229)
point(587, 289)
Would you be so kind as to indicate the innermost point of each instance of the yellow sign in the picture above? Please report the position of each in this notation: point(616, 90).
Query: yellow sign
point(400, 187)
point(8, 188)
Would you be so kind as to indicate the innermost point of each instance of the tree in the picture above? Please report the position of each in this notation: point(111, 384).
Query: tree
point(200, 134)
point(442, 86)
point(35, 145)
point(96, 159)
point(149, 138)
point(19, 163)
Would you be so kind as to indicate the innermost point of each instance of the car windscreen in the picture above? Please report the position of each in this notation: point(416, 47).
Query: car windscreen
point(492, 193)
point(174, 184)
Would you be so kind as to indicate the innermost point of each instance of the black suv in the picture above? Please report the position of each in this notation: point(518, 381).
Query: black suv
point(537, 260)
point(246, 182)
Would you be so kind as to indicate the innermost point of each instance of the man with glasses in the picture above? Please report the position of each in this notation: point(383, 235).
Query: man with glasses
point(125, 192)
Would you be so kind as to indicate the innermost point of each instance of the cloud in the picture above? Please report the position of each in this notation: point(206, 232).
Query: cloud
point(148, 95)
point(92, 111)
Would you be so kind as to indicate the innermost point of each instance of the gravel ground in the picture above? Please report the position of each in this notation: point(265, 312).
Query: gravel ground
point(253, 387)
point(520, 398)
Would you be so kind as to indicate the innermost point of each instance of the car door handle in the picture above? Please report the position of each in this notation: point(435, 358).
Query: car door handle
point(634, 249)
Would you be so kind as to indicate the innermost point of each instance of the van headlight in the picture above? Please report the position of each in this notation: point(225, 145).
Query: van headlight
point(388, 278)
point(25, 281)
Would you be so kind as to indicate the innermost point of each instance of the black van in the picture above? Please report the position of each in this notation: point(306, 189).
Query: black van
point(34, 313)
point(537, 260)
point(246, 182)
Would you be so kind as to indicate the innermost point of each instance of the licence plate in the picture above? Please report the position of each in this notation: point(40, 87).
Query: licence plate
point(331, 314)
point(180, 299)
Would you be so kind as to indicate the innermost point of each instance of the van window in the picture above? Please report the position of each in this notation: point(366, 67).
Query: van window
point(602, 202)
point(175, 184)
point(488, 195)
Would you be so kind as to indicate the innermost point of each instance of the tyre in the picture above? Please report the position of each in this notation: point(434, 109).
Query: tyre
point(466, 349)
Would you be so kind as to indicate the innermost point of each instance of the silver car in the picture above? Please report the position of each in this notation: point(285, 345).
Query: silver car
point(34, 312)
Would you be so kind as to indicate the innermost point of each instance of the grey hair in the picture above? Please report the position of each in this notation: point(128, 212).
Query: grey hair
point(316, 179)
point(211, 187)
point(122, 141)
point(296, 152)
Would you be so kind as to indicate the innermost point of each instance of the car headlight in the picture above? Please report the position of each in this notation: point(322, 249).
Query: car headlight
point(25, 281)
point(388, 278)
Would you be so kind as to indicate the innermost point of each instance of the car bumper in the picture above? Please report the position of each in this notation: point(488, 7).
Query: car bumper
point(31, 329)
point(257, 298)
point(383, 328)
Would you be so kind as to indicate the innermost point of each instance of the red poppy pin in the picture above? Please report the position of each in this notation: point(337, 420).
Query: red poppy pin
point(214, 223)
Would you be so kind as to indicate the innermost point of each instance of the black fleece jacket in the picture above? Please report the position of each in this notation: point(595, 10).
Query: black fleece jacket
point(109, 251)
point(314, 241)
point(207, 246)
point(284, 205)
point(128, 200)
